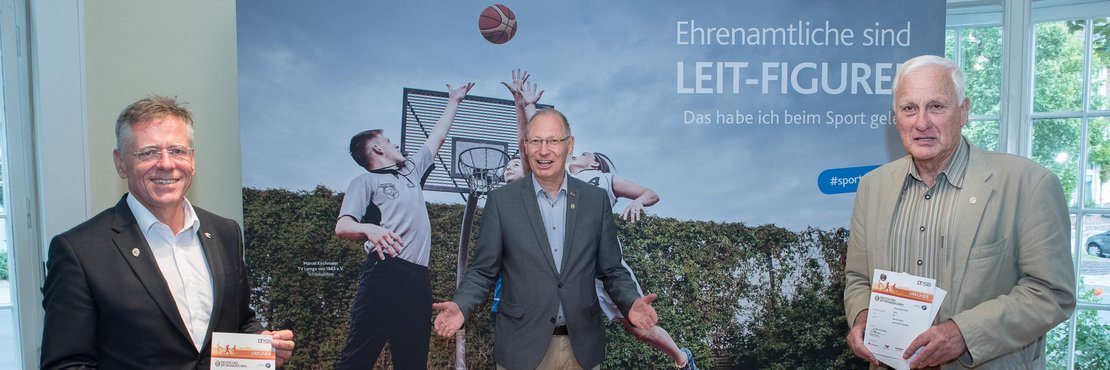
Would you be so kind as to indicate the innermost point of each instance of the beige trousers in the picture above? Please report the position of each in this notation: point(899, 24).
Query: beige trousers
point(559, 356)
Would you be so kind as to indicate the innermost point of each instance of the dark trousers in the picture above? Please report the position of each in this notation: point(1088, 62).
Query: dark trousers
point(394, 304)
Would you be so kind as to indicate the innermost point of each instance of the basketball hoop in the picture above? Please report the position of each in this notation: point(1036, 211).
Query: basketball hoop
point(483, 168)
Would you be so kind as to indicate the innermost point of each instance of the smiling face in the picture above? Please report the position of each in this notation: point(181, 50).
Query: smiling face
point(548, 161)
point(929, 116)
point(158, 183)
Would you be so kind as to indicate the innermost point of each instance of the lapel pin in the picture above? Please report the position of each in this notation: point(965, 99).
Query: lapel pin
point(972, 200)
point(135, 252)
point(208, 235)
point(573, 193)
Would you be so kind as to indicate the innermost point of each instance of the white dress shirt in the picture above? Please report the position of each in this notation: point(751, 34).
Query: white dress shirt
point(183, 266)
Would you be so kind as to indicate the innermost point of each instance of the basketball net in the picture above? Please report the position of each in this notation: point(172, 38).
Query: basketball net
point(483, 168)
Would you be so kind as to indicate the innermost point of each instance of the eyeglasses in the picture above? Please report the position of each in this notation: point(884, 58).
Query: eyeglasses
point(154, 153)
point(549, 142)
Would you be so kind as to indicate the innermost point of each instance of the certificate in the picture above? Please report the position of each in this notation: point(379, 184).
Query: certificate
point(902, 307)
point(242, 351)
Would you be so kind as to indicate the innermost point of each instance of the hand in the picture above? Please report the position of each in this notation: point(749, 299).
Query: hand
point(515, 87)
point(382, 241)
point(283, 344)
point(529, 95)
point(457, 95)
point(855, 339)
point(449, 320)
point(939, 345)
point(633, 211)
point(642, 315)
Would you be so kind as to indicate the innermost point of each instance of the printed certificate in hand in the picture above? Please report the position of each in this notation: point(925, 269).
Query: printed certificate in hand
point(242, 351)
point(902, 307)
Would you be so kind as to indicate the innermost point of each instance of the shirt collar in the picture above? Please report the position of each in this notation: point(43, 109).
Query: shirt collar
point(539, 189)
point(954, 172)
point(146, 219)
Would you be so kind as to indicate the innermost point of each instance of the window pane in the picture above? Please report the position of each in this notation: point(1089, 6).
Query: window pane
point(1056, 146)
point(1094, 261)
point(1097, 178)
point(7, 329)
point(981, 49)
point(1100, 65)
point(1057, 80)
point(984, 134)
point(950, 43)
point(1092, 337)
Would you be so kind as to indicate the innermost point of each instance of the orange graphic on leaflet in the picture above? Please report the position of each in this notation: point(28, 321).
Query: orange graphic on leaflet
point(243, 354)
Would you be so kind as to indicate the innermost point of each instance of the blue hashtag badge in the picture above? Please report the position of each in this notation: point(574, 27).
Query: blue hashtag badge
point(841, 180)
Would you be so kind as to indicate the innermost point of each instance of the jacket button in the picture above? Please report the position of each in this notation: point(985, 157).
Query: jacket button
point(560, 285)
point(552, 320)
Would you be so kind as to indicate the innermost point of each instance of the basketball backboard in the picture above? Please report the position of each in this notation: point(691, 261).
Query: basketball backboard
point(480, 121)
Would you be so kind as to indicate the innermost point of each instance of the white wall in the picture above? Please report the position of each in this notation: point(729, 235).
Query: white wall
point(104, 55)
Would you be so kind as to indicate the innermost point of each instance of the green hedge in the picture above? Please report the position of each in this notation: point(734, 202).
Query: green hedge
point(738, 296)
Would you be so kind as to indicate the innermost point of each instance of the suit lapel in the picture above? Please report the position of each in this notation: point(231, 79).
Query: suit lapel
point(211, 247)
point(887, 202)
point(572, 217)
point(131, 240)
point(532, 208)
point(973, 201)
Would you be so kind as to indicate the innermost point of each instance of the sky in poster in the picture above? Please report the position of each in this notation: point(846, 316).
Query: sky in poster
point(636, 80)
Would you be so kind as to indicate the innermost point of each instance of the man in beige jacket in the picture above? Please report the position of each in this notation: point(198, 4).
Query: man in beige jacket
point(991, 228)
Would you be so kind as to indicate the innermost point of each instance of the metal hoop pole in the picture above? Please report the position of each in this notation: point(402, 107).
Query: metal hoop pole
point(464, 251)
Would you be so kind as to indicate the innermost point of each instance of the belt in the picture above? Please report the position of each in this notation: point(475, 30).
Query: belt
point(560, 330)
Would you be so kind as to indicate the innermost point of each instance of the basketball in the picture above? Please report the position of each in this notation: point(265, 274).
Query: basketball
point(497, 23)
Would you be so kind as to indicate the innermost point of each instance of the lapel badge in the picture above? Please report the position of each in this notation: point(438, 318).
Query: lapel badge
point(135, 252)
point(573, 193)
point(572, 206)
point(972, 200)
point(208, 235)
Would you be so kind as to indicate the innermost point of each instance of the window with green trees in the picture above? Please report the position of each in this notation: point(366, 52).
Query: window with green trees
point(1070, 135)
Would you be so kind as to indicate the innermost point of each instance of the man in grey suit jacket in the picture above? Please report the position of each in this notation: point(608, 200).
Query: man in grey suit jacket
point(143, 285)
point(991, 228)
point(550, 236)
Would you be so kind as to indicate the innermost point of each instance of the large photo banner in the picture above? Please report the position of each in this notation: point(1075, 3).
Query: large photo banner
point(739, 128)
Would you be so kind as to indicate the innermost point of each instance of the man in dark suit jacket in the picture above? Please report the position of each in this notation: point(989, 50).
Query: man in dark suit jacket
point(550, 236)
point(143, 285)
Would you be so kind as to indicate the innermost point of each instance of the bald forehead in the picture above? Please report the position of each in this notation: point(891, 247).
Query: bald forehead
point(547, 115)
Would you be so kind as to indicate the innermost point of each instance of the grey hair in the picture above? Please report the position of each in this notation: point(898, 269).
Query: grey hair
point(953, 69)
point(151, 107)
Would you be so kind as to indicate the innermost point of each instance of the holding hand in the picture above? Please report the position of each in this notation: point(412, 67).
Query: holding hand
point(283, 344)
point(939, 345)
point(855, 339)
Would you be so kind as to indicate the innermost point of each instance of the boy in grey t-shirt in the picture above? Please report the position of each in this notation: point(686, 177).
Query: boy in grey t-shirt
point(385, 209)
